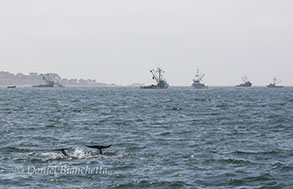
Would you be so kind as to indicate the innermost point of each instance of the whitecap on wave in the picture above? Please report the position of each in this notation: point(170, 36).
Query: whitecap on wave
point(79, 153)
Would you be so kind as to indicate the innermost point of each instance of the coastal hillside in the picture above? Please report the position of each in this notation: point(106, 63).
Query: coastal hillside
point(7, 78)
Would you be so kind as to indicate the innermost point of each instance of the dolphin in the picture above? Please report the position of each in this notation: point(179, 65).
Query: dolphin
point(63, 150)
point(99, 147)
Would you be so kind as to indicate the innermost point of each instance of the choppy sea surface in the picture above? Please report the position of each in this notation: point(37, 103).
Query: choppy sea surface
point(220, 137)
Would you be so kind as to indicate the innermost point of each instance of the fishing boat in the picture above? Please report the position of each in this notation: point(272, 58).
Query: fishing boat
point(49, 82)
point(161, 83)
point(11, 87)
point(197, 81)
point(246, 82)
point(274, 84)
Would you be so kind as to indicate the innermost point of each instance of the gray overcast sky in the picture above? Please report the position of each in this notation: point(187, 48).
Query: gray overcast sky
point(119, 41)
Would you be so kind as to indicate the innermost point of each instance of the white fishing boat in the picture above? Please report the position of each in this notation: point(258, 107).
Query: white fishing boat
point(274, 84)
point(197, 81)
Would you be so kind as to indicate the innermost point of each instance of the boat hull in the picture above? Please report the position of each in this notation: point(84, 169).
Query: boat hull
point(153, 87)
point(48, 86)
point(197, 85)
point(243, 86)
point(43, 86)
point(277, 87)
point(246, 84)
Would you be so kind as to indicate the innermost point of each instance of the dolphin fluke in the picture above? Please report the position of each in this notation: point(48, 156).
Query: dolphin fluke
point(99, 147)
point(63, 150)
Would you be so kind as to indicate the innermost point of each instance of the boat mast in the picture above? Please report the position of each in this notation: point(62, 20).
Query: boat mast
point(276, 81)
point(245, 79)
point(47, 79)
point(157, 75)
point(198, 76)
point(154, 75)
point(159, 72)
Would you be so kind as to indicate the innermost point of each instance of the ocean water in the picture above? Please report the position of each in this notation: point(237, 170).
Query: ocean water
point(221, 137)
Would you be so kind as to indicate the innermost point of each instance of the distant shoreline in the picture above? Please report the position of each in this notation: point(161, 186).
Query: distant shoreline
point(19, 79)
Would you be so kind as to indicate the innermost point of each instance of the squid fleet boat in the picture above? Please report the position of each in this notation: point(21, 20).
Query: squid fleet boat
point(246, 82)
point(161, 83)
point(49, 82)
point(274, 84)
point(197, 81)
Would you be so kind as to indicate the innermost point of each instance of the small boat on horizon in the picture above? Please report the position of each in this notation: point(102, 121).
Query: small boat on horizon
point(197, 81)
point(246, 82)
point(274, 84)
point(159, 78)
point(11, 86)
